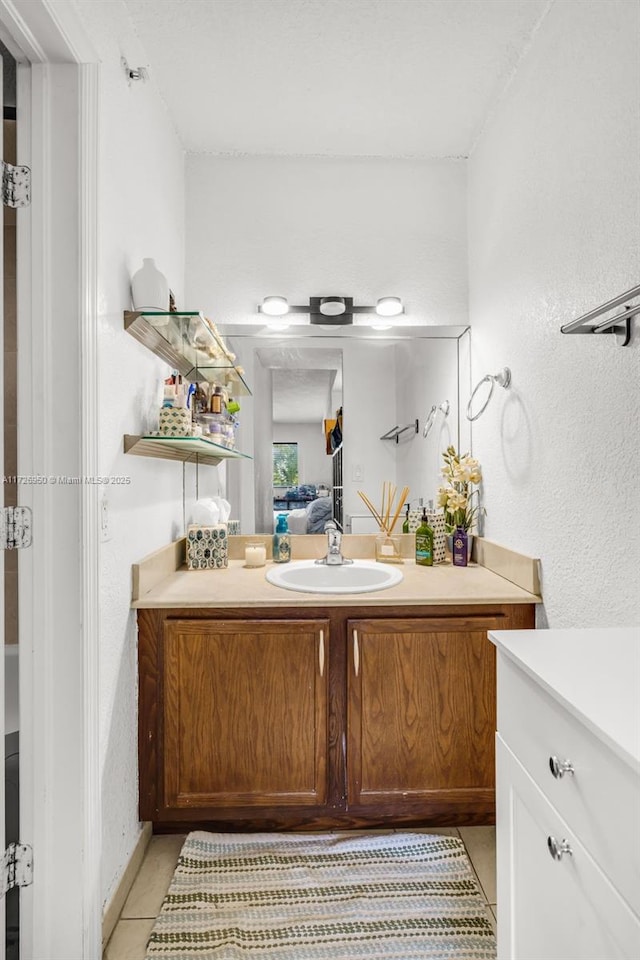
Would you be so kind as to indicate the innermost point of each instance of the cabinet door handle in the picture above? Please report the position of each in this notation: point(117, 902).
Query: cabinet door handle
point(560, 767)
point(558, 848)
point(356, 652)
point(321, 653)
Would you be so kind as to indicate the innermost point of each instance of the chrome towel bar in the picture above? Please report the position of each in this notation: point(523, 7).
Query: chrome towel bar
point(620, 324)
point(396, 431)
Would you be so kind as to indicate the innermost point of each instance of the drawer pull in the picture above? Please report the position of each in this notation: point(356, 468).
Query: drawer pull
point(557, 849)
point(560, 767)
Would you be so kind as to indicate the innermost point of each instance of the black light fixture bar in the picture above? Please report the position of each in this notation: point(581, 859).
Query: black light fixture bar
point(337, 319)
point(328, 310)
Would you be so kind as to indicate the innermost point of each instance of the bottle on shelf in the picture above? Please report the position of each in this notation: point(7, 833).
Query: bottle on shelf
point(218, 399)
point(424, 542)
point(405, 525)
point(281, 540)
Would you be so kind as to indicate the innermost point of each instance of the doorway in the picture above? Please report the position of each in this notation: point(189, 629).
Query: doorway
point(11, 646)
point(56, 282)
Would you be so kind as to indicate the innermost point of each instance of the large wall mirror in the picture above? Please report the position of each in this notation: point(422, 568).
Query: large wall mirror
point(382, 381)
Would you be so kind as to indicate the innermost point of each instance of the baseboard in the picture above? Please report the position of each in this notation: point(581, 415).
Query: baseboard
point(112, 911)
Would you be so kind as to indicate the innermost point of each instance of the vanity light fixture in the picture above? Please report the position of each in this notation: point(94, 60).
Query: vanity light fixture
point(333, 311)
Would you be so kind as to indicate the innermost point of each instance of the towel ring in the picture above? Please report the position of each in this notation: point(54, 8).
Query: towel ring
point(503, 379)
point(431, 416)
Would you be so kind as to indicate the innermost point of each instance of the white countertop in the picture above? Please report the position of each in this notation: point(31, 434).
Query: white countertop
point(594, 673)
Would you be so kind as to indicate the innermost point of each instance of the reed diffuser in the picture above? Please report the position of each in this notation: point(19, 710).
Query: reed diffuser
point(387, 546)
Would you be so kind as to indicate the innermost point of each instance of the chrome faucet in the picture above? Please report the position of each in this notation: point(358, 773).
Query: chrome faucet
point(334, 543)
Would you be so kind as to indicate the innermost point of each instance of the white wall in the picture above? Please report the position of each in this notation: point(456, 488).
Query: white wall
point(426, 375)
point(141, 211)
point(554, 204)
point(305, 227)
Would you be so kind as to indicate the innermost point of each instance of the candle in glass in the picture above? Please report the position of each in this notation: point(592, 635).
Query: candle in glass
point(255, 554)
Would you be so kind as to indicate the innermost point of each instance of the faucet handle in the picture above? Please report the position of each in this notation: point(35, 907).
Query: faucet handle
point(330, 525)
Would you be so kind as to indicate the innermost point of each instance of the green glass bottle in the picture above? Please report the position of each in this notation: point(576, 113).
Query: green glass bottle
point(424, 542)
point(405, 525)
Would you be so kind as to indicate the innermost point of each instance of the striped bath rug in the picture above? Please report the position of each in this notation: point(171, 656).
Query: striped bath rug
point(396, 896)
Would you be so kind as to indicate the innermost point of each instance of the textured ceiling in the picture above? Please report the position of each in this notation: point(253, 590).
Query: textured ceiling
point(302, 381)
point(301, 396)
point(390, 78)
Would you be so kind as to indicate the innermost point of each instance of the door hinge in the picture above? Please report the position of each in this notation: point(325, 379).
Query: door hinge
point(16, 185)
point(15, 528)
point(17, 866)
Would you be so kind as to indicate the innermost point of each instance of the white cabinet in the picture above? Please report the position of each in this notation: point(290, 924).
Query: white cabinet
point(568, 795)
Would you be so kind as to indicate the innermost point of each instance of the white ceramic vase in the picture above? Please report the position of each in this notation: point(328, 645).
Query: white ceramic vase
point(149, 288)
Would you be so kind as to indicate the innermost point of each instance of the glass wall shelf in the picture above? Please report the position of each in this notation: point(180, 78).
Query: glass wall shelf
point(190, 344)
point(190, 449)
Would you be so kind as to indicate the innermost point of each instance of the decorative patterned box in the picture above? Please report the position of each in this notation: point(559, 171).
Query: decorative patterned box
point(175, 422)
point(207, 547)
point(415, 517)
point(436, 522)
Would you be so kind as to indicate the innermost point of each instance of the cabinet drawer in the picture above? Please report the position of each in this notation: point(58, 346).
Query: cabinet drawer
point(551, 909)
point(600, 800)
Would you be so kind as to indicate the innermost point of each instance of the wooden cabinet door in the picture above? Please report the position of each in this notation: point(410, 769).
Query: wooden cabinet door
point(245, 713)
point(421, 716)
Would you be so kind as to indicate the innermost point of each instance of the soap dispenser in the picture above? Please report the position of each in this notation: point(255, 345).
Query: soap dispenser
point(281, 540)
point(424, 542)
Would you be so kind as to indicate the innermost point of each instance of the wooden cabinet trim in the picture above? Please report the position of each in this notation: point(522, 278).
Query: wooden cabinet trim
point(478, 621)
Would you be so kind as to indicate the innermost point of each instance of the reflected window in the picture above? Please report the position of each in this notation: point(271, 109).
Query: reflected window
point(285, 464)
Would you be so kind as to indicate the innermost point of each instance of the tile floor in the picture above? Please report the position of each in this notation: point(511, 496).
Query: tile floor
point(130, 936)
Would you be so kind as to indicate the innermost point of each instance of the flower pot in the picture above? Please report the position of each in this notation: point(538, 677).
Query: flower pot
point(149, 288)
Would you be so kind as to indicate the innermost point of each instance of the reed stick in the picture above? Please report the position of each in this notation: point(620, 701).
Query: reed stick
point(372, 509)
point(392, 494)
point(405, 494)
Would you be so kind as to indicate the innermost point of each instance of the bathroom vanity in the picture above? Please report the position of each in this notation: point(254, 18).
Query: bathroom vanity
point(568, 751)
point(260, 708)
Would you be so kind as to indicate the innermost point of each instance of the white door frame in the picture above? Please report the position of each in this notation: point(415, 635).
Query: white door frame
point(57, 436)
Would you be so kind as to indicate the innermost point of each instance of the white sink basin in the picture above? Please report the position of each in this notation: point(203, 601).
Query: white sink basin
point(307, 576)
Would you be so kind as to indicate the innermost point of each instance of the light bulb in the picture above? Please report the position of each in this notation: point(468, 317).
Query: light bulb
point(332, 306)
point(389, 307)
point(274, 306)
